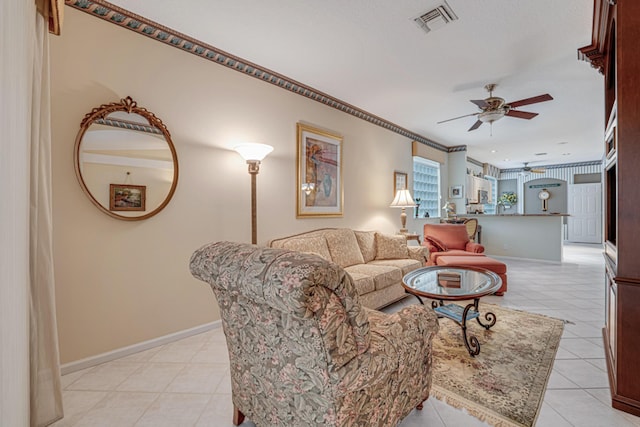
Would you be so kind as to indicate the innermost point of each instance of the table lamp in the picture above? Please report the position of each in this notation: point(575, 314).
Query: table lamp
point(403, 200)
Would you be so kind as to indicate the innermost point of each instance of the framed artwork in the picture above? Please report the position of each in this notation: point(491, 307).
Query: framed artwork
point(455, 192)
point(126, 197)
point(399, 182)
point(319, 186)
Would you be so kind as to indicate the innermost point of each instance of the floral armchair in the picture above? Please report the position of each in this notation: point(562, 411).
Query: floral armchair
point(303, 351)
point(448, 239)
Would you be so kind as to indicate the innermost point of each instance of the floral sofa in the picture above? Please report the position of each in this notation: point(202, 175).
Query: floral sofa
point(376, 261)
point(303, 350)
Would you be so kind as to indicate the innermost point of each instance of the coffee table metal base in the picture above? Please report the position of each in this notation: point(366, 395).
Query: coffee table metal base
point(460, 315)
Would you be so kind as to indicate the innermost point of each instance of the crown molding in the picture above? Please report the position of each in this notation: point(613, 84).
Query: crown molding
point(131, 21)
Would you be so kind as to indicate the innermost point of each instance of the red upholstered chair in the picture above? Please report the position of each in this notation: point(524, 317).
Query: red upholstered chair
point(449, 240)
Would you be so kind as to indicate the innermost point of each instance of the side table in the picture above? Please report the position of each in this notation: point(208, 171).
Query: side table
point(415, 237)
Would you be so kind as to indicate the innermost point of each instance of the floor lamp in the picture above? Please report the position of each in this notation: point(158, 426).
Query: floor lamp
point(253, 154)
point(403, 200)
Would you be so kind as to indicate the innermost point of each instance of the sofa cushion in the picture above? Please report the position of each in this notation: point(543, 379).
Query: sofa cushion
point(344, 248)
point(362, 282)
point(492, 264)
point(391, 246)
point(406, 265)
point(313, 245)
point(383, 275)
point(367, 242)
point(454, 252)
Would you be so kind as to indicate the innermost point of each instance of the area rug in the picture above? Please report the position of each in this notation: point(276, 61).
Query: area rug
point(503, 385)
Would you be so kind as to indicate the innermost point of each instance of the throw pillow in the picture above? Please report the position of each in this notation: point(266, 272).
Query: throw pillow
point(344, 248)
point(391, 246)
point(313, 245)
point(441, 247)
point(367, 243)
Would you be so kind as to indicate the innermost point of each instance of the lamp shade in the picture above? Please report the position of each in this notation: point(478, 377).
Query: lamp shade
point(253, 152)
point(402, 200)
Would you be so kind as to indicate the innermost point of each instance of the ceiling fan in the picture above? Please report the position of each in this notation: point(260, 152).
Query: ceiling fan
point(494, 108)
point(529, 169)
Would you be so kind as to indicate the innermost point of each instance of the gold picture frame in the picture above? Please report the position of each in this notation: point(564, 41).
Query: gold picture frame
point(126, 197)
point(319, 184)
point(399, 182)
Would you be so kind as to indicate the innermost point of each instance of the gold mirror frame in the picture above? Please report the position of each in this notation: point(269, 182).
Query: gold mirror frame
point(127, 105)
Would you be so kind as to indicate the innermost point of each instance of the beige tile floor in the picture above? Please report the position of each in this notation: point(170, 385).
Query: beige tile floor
point(186, 383)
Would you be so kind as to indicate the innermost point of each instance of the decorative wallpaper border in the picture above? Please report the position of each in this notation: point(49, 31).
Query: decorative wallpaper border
point(123, 124)
point(474, 161)
point(456, 148)
point(565, 165)
point(122, 17)
point(126, 19)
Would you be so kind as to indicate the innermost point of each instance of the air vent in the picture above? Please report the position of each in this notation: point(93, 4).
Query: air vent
point(436, 18)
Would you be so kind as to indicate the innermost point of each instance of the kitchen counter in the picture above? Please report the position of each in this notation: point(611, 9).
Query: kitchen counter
point(535, 236)
point(532, 236)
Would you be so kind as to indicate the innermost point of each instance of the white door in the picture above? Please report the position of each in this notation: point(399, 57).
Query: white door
point(585, 210)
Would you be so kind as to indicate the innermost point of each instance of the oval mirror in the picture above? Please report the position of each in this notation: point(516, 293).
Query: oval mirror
point(125, 160)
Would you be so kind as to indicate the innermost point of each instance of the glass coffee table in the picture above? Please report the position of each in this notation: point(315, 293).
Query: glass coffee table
point(443, 283)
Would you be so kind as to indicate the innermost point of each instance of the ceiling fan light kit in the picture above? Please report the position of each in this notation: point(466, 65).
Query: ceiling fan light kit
point(494, 108)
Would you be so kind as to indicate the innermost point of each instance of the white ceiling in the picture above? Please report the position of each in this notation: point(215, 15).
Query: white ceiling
point(370, 53)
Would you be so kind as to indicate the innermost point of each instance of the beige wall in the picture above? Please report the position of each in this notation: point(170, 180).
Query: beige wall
point(119, 283)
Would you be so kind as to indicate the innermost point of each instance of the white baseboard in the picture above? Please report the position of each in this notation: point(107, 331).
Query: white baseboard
point(515, 258)
point(98, 359)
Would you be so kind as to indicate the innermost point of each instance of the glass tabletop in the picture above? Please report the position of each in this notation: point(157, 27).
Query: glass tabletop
point(451, 283)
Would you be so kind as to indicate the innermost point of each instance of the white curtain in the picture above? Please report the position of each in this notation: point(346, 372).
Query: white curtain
point(46, 391)
point(29, 362)
point(16, 50)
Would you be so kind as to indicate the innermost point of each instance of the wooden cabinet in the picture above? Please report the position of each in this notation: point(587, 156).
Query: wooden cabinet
point(615, 52)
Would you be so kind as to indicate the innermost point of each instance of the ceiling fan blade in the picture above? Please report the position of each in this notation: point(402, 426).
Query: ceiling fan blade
point(475, 126)
point(533, 100)
point(521, 114)
point(480, 103)
point(456, 118)
point(538, 170)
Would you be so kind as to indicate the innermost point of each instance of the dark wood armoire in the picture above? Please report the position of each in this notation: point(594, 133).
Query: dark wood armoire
point(615, 52)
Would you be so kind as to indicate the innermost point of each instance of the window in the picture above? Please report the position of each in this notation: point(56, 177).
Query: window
point(490, 208)
point(426, 187)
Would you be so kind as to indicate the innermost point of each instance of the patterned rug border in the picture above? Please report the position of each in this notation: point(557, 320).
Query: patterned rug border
point(472, 408)
point(483, 413)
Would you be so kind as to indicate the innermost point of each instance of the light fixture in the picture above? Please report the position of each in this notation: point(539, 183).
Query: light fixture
point(253, 155)
point(403, 200)
point(491, 116)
